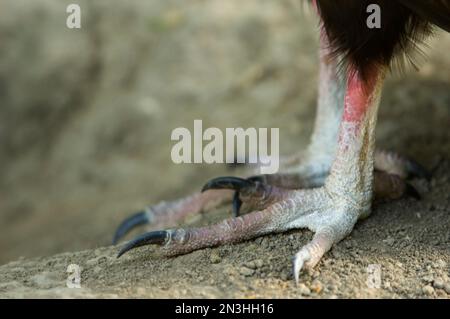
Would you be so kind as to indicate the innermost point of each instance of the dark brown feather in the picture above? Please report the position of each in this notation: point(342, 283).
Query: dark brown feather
point(434, 11)
point(403, 29)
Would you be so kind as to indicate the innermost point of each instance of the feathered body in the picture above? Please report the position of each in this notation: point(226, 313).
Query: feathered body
point(404, 25)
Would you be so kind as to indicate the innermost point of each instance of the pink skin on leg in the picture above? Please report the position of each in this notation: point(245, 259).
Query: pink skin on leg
point(352, 168)
point(350, 184)
point(357, 99)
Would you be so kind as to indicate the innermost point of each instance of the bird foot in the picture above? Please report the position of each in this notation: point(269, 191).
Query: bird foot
point(299, 172)
point(274, 210)
point(330, 218)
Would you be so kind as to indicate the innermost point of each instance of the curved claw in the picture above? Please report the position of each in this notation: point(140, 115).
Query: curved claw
point(227, 182)
point(415, 169)
point(236, 204)
point(298, 261)
point(412, 191)
point(153, 238)
point(240, 185)
point(140, 218)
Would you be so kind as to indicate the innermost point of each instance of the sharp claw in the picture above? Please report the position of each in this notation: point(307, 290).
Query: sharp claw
point(155, 237)
point(227, 182)
point(299, 260)
point(258, 179)
point(137, 219)
point(415, 169)
point(240, 185)
point(411, 191)
point(236, 204)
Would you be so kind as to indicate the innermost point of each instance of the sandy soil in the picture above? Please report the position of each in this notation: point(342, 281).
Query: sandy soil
point(85, 127)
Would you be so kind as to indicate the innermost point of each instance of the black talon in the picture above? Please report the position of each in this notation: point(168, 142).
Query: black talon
point(156, 237)
point(258, 178)
point(236, 204)
point(412, 191)
point(227, 182)
point(240, 185)
point(415, 169)
point(137, 219)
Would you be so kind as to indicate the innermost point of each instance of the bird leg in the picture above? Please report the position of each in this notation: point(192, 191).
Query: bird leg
point(310, 167)
point(330, 211)
point(307, 169)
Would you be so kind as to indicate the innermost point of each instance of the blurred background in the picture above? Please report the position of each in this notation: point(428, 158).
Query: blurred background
point(86, 114)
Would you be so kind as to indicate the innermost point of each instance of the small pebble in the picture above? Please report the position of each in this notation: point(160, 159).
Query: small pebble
point(328, 262)
point(354, 254)
point(214, 258)
point(438, 283)
point(250, 264)
point(447, 288)
point(316, 286)
point(92, 262)
point(333, 288)
point(389, 241)
point(428, 278)
point(305, 291)
point(229, 270)
point(428, 290)
point(259, 263)
point(97, 269)
point(441, 264)
point(247, 272)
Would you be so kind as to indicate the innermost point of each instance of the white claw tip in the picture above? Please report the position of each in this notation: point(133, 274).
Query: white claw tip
point(299, 260)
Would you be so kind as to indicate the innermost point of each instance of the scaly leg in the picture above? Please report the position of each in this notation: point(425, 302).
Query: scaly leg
point(308, 169)
point(330, 211)
point(169, 213)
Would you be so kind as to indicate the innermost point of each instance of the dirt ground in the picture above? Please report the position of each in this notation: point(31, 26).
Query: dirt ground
point(85, 123)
